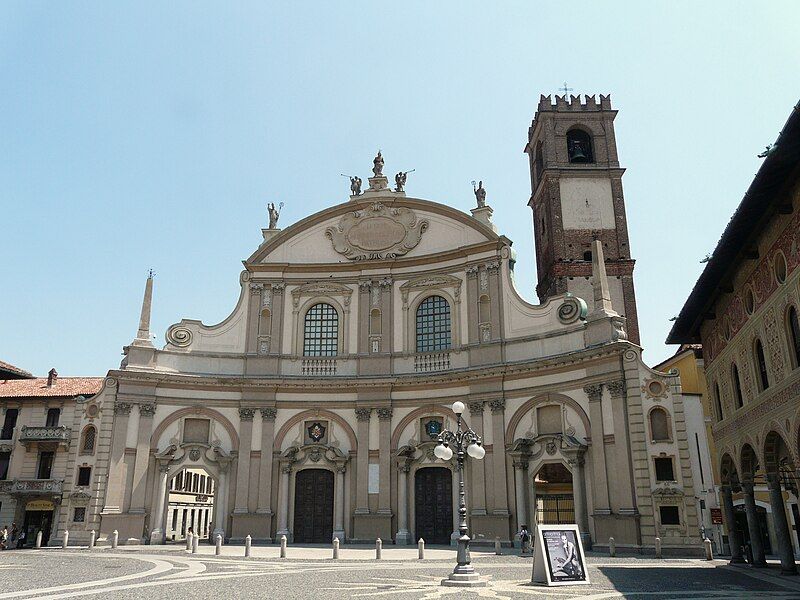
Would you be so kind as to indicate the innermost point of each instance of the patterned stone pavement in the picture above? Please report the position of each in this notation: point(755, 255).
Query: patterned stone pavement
point(146, 573)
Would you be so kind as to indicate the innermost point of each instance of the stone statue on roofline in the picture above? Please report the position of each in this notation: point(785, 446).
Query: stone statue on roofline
point(355, 185)
point(274, 214)
point(480, 194)
point(377, 165)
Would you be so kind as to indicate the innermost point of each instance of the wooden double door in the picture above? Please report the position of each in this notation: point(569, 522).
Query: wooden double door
point(433, 505)
point(313, 506)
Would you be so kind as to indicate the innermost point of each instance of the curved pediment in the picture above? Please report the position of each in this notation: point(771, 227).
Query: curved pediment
point(373, 230)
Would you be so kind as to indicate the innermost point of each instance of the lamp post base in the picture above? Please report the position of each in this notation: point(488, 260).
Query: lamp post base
point(465, 580)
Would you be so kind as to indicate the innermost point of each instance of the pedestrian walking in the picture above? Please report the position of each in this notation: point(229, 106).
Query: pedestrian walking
point(4, 537)
point(524, 539)
point(21, 539)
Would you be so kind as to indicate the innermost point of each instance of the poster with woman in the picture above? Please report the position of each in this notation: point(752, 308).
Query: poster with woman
point(558, 557)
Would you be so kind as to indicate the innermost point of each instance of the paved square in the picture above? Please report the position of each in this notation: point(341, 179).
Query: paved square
point(169, 572)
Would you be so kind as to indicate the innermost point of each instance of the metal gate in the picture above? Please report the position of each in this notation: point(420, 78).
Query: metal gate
point(555, 509)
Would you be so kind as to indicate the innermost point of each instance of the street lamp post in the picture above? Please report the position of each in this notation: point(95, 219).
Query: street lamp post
point(461, 442)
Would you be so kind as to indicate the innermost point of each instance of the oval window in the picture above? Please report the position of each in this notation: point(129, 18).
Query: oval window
point(780, 267)
point(749, 301)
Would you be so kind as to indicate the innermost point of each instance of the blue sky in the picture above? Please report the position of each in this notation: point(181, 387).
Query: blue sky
point(138, 135)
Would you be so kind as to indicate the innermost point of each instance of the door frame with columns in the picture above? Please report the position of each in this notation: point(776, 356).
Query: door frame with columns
point(312, 456)
point(213, 459)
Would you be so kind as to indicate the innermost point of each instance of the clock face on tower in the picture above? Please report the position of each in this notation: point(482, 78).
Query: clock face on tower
point(433, 428)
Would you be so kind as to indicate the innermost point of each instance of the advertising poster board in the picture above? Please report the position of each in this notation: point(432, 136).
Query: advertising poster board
point(558, 557)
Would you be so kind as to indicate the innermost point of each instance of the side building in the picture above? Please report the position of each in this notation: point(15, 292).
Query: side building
point(315, 406)
point(49, 450)
point(744, 311)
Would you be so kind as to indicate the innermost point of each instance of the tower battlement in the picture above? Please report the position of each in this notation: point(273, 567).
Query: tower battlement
point(574, 103)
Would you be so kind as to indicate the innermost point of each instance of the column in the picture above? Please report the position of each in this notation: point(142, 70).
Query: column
point(734, 541)
point(158, 533)
point(403, 535)
point(781, 525)
point(243, 469)
point(362, 461)
point(499, 456)
point(283, 502)
point(146, 412)
point(385, 440)
point(477, 483)
point(116, 471)
point(178, 525)
point(752, 525)
point(221, 504)
point(579, 498)
point(338, 517)
point(264, 506)
point(520, 476)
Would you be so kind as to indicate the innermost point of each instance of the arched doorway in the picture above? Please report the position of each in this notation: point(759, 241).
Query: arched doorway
point(313, 506)
point(554, 499)
point(433, 504)
point(190, 504)
point(741, 526)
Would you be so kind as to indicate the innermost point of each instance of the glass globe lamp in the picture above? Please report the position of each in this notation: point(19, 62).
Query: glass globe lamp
point(443, 452)
point(476, 451)
point(458, 407)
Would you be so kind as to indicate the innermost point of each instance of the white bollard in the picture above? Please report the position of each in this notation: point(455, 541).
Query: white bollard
point(189, 537)
point(658, 547)
point(248, 542)
point(378, 548)
point(92, 538)
point(421, 548)
point(115, 539)
point(335, 547)
point(612, 547)
point(283, 546)
point(707, 544)
point(38, 539)
point(195, 543)
point(65, 541)
point(497, 549)
point(218, 549)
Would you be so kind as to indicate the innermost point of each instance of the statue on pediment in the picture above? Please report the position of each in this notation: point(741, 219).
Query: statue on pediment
point(377, 165)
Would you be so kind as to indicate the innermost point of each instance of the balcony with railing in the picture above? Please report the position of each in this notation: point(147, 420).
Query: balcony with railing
point(32, 487)
point(431, 362)
point(53, 434)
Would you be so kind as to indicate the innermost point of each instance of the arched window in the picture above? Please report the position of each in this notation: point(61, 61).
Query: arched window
point(718, 400)
point(579, 146)
point(53, 414)
point(587, 256)
point(321, 331)
point(659, 425)
point(433, 324)
point(737, 386)
point(88, 439)
point(761, 366)
point(794, 336)
point(539, 163)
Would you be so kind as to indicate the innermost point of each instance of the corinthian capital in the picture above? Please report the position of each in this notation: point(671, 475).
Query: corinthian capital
point(594, 391)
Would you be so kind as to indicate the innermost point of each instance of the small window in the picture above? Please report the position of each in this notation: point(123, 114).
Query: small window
point(88, 440)
point(587, 256)
point(659, 425)
point(45, 465)
point(737, 386)
point(761, 366)
point(84, 476)
point(79, 516)
point(779, 265)
point(5, 459)
point(664, 470)
point(794, 336)
point(433, 324)
point(9, 423)
point(53, 415)
point(321, 331)
point(579, 146)
point(718, 400)
point(670, 515)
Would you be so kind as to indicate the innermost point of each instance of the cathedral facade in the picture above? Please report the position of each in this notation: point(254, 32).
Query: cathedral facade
point(315, 406)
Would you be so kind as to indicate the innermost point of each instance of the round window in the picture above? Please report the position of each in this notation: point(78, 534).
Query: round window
point(92, 410)
point(656, 388)
point(749, 301)
point(779, 265)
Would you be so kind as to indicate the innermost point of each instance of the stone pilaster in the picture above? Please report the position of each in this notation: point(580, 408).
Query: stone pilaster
point(734, 540)
point(363, 416)
point(138, 495)
point(477, 473)
point(242, 524)
point(117, 473)
point(264, 524)
point(602, 505)
point(499, 456)
point(385, 496)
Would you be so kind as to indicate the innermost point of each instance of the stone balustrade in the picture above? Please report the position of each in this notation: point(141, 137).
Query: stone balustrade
point(59, 434)
point(435, 361)
point(22, 487)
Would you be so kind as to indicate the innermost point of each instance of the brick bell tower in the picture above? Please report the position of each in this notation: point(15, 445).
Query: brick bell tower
point(576, 197)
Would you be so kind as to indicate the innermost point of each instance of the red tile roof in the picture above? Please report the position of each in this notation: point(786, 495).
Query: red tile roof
point(4, 366)
point(38, 388)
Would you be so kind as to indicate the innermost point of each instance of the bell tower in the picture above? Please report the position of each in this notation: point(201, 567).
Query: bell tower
point(576, 198)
